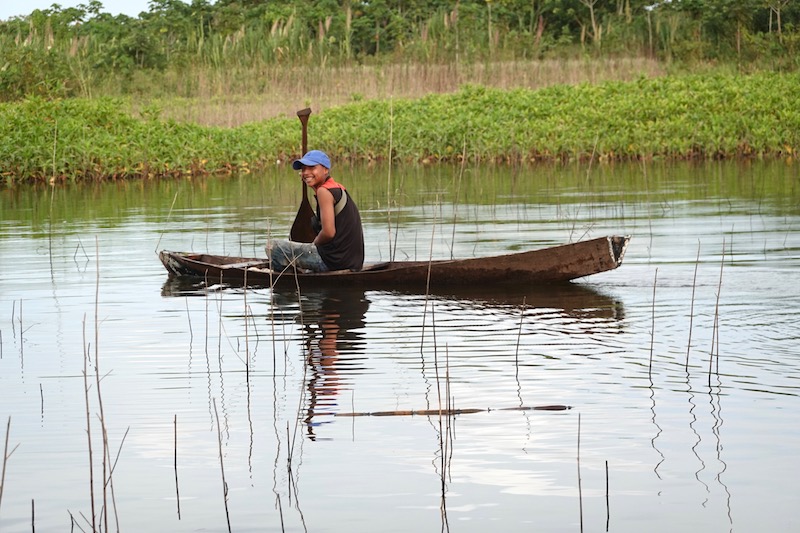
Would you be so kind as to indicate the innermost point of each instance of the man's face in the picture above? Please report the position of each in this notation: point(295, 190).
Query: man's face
point(314, 176)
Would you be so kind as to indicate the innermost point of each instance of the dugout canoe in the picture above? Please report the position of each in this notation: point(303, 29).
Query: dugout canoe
point(555, 264)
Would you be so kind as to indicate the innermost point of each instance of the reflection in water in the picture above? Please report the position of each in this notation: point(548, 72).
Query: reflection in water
point(175, 286)
point(334, 338)
point(575, 300)
point(332, 325)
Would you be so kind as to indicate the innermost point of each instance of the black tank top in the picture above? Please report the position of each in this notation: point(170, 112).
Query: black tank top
point(346, 250)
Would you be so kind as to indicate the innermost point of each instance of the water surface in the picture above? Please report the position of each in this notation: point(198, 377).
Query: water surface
point(681, 367)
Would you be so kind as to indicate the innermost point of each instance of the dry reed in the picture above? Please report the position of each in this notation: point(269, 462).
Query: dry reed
point(6, 456)
point(389, 184)
point(175, 463)
point(103, 430)
point(691, 309)
point(652, 330)
point(21, 333)
point(580, 487)
point(608, 506)
point(88, 427)
point(715, 330)
point(222, 467)
point(445, 437)
point(237, 98)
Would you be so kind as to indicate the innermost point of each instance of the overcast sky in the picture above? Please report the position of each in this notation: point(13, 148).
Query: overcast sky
point(12, 8)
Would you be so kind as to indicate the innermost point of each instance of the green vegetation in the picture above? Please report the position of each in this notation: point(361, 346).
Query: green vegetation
point(87, 95)
point(232, 46)
point(668, 117)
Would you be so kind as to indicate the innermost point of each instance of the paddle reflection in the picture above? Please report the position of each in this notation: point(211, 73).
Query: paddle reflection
point(333, 328)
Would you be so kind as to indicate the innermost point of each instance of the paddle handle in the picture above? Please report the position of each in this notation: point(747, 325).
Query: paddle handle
point(303, 115)
point(301, 230)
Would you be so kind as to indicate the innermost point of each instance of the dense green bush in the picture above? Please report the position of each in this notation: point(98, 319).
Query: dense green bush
point(671, 117)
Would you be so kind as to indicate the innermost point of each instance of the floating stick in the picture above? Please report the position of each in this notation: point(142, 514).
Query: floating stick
point(450, 412)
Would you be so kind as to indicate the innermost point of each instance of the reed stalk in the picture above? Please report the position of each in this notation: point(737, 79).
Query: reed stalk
point(104, 432)
point(652, 330)
point(89, 427)
point(175, 463)
point(427, 295)
point(715, 331)
point(389, 182)
point(21, 333)
point(445, 436)
point(189, 321)
point(691, 308)
point(246, 336)
point(456, 196)
point(110, 477)
point(580, 488)
point(6, 457)
point(519, 338)
point(222, 467)
point(608, 507)
point(169, 214)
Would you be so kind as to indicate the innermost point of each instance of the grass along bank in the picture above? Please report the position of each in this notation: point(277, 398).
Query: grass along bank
point(718, 116)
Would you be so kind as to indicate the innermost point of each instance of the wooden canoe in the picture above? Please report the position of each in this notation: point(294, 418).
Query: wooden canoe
point(556, 264)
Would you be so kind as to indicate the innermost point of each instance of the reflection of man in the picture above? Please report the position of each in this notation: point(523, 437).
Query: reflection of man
point(334, 324)
point(322, 358)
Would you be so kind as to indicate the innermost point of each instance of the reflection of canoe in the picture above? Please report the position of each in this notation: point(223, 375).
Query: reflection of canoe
point(548, 265)
point(576, 300)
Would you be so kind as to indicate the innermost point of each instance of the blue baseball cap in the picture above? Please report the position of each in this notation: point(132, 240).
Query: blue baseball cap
point(314, 157)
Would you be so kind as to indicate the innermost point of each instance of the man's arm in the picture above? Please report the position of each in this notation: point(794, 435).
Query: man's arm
point(327, 216)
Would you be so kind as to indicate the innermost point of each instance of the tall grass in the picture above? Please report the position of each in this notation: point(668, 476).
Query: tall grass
point(232, 98)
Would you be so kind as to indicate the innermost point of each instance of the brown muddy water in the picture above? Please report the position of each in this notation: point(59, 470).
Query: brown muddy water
point(227, 409)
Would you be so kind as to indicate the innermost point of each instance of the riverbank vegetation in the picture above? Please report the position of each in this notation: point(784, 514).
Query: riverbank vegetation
point(685, 117)
point(188, 89)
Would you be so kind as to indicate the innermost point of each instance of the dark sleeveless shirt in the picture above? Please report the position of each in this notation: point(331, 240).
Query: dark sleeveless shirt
point(346, 250)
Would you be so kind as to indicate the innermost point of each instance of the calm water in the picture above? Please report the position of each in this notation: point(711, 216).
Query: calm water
point(221, 406)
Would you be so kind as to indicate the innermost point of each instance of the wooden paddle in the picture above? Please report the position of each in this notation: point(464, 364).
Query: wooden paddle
point(302, 231)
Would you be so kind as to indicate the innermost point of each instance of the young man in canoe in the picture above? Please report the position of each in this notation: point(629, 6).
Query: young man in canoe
point(339, 241)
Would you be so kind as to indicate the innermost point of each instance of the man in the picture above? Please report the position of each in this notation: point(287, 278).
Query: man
point(339, 243)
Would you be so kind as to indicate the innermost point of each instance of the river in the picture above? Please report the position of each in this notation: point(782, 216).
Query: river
point(225, 408)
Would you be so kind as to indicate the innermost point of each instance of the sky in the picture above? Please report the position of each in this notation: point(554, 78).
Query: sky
point(12, 8)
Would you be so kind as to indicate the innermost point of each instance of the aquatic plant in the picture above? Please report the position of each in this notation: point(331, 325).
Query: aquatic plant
point(681, 117)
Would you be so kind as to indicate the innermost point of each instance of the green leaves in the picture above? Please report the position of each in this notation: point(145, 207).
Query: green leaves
point(670, 117)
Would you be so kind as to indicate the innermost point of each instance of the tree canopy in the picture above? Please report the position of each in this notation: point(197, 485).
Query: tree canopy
point(64, 51)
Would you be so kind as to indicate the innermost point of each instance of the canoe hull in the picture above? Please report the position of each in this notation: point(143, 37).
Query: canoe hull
point(556, 264)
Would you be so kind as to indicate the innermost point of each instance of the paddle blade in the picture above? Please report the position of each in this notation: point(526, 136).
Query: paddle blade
point(302, 230)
